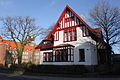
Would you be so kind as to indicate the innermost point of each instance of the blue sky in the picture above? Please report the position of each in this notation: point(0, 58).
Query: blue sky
point(46, 12)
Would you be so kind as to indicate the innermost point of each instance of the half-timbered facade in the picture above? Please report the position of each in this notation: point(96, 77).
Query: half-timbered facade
point(71, 42)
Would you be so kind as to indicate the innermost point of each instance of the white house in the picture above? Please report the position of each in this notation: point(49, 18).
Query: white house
point(72, 42)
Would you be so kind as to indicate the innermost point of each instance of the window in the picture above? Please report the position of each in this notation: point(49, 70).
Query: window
point(81, 55)
point(66, 36)
point(77, 21)
point(25, 53)
point(74, 35)
point(85, 31)
point(36, 57)
point(47, 42)
point(48, 56)
point(63, 55)
point(36, 53)
point(56, 36)
point(70, 35)
point(25, 57)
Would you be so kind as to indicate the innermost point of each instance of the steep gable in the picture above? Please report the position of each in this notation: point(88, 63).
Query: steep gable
point(69, 19)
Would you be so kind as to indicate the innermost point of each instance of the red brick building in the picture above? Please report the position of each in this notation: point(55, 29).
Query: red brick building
point(2, 54)
point(30, 54)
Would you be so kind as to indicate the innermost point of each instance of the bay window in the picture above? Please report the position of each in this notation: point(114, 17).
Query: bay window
point(48, 56)
point(63, 55)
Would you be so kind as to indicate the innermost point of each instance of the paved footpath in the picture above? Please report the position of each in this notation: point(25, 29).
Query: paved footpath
point(4, 76)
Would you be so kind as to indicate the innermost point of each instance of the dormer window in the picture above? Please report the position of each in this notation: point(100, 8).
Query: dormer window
point(47, 42)
point(85, 31)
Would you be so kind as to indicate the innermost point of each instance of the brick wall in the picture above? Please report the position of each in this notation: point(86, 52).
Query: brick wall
point(2, 54)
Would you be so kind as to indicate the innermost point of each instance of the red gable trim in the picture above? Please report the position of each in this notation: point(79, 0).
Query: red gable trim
point(61, 16)
point(48, 37)
point(80, 18)
point(63, 13)
point(55, 26)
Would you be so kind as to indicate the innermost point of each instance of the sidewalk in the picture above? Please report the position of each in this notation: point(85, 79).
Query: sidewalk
point(28, 77)
point(39, 77)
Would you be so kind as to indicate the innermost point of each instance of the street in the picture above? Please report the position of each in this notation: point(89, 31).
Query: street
point(4, 76)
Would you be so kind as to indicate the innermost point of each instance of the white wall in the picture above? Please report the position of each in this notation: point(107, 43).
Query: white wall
point(82, 43)
point(86, 43)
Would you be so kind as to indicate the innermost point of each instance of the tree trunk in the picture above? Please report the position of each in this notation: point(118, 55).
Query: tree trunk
point(19, 59)
point(109, 50)
point(20, 54)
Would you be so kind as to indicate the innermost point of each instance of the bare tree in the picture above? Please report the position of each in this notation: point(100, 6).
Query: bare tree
point(107, 17)
point(22, 30)
point(49, 29)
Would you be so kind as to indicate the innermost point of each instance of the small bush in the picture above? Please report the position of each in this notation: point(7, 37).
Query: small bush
point(27, 64)
point(19, 71)
point(59, 69)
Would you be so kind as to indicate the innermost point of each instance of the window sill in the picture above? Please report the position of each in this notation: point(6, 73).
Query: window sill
point(58, 61)
point(86, 36)
point(81, 61)
point(56, 40)
point(70, 41)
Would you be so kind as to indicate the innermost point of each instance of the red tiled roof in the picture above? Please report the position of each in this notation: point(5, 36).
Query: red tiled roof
point(63, 45)
point(58, 46)
point(98, 31)
point(13, 46)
